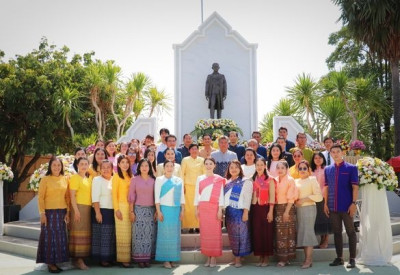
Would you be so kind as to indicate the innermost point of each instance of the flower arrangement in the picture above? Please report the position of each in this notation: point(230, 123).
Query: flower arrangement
point(316, 146)
point(343, 143)
point(209, 126)
point(357, 145)
point(39, 173)
point(5, 172)
point(376, 171)
point(90, 149)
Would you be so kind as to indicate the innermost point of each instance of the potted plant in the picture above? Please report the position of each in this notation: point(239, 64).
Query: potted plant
point(6, 175)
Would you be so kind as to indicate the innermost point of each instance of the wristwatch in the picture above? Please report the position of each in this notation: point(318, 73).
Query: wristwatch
point(354, 202)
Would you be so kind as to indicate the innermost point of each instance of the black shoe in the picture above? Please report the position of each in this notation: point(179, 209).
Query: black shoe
point(336, 262)
point(53, 270)
point(351, 264)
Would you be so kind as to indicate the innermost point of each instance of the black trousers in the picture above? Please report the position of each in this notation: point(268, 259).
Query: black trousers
point(337, 218)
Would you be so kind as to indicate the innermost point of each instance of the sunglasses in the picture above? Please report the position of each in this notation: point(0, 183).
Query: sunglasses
point(303, 168)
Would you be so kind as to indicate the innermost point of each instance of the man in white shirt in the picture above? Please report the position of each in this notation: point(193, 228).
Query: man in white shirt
point(164, 132)
point(328, 142)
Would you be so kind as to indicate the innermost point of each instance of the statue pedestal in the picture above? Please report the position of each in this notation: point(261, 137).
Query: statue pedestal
point(215, 42)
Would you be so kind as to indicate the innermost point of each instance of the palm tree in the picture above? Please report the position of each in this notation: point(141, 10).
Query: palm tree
point(332, 111)
point(136, 86)
point(266, 127)
point(285, 107)
point(67, 100)
point(377, 24)
point(158, 101)
point(304, 95)
point(340, 85)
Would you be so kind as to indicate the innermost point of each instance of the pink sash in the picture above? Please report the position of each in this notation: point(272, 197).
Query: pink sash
point(217, 182)
point(261, 187)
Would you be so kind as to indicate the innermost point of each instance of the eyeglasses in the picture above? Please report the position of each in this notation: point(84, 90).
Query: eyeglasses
point(131, 154)
point(302, 168)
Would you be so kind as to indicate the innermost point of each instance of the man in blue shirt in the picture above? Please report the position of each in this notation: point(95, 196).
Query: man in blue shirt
point(261, 150)
point(223, 156)
point(283, 132)
point(171, 143)
point(340, 194)
point(187, 140)
point(234, 146)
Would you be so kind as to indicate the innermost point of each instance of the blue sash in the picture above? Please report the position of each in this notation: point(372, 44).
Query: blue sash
point(236, 186)
point(177, 185)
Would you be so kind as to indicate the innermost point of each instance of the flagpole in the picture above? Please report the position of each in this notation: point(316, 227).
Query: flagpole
point(201, 11)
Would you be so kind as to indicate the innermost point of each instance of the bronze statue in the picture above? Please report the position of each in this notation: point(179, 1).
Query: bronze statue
point(215, 91)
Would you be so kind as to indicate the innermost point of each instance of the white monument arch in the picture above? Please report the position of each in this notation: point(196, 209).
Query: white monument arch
point(215, 42)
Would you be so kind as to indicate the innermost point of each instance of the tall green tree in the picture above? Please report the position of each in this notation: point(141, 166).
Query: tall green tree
point(304, 95)
point(158, 101)
point(377, 24)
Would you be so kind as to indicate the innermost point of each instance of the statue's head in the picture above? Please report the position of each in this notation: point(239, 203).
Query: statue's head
point(215, 67)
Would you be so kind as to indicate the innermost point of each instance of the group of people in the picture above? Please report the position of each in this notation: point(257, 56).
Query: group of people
point(134, 204)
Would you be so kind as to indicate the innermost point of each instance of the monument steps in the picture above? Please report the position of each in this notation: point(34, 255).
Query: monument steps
point(21, 238)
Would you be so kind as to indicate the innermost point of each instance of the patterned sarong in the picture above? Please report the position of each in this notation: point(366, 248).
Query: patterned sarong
point(103, 236)
point(238, 232)
point(53, 243)
point(123, 232)
point(168, 247)
point(80, 235)
point(144, 233)
point(285, 233)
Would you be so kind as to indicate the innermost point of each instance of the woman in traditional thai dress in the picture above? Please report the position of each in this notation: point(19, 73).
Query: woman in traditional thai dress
point(237, 199)
point(323, 226)
point(103, 222)
point(98, 156)
point(170, 204)
point(262, 213)
point(143, 214)
point(209, 203)
point(150, 154)
point(123, 226)
point(249, 166)
point(285, 215)
point(169, 154)
point(80, 186)
point(191, 168)
point(274, 155)
point(297, 156)
point(53, 199)
point(309, 194)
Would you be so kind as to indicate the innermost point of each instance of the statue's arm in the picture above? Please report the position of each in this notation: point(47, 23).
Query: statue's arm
point(208, 87)
point(224, 92)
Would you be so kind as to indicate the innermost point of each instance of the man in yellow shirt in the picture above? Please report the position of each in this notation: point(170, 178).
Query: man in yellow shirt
point(191, 167)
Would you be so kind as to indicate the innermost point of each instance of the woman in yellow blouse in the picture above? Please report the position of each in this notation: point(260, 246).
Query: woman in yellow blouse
point(53, 208)
point(80, 186)
point(297, 156)
point(309, 194)
point(120, 188)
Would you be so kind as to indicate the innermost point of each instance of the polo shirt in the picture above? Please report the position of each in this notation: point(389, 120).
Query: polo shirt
point(222, 161)
point(262, 151)
point(340, 180)
point(238, 149)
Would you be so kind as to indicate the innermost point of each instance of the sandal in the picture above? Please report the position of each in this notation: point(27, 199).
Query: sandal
point(281, 264)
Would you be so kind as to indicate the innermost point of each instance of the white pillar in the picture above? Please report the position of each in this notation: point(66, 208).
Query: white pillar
point(1, 208)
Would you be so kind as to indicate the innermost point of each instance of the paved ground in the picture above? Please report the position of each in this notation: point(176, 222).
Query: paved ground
point(14, 265)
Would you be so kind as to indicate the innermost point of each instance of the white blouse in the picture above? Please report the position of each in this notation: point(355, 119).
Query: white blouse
point(244, 198)
point(206, 193)
point(248, 170)
point(102, 192)
point(168, 198)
